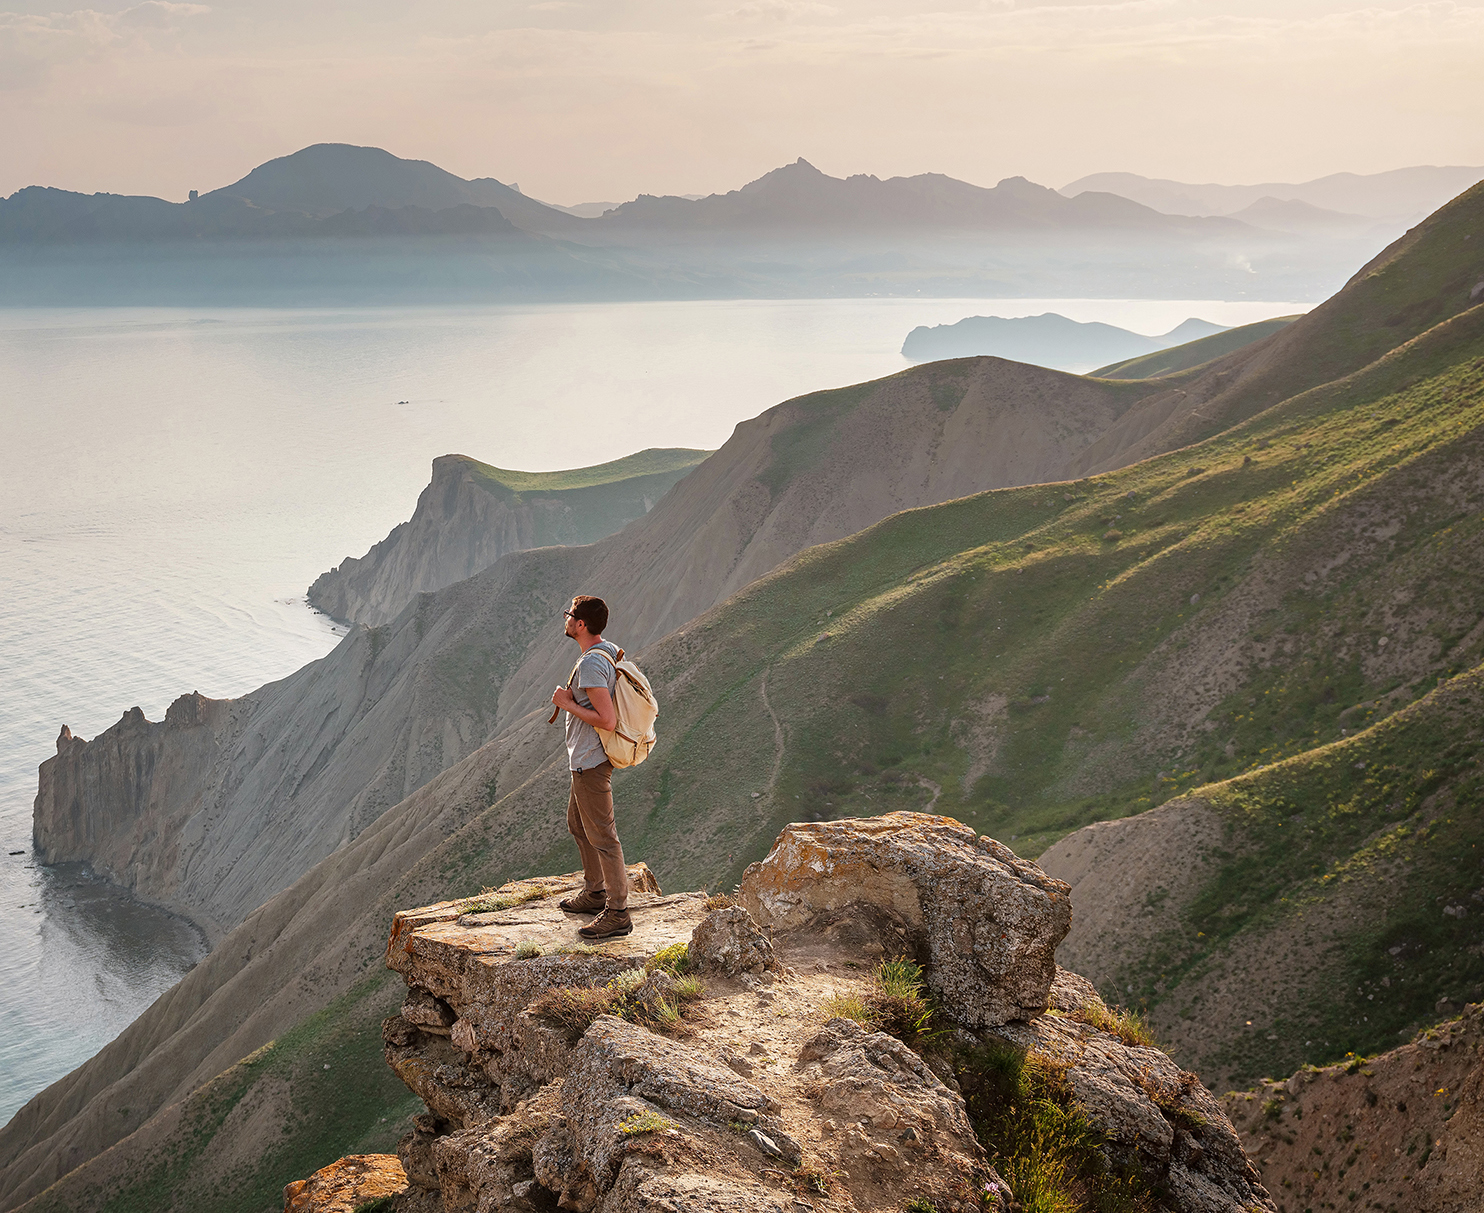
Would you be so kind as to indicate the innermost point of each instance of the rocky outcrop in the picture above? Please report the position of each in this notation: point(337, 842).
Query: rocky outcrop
point(552, 1078)
point(1403, 1130)
point(988, 920)
point(346, 1185)
point(471, 514)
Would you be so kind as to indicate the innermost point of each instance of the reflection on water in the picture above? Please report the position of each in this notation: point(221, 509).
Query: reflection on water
point(82, 958)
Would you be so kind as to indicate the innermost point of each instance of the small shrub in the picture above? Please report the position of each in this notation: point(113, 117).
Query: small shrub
point(575, 1007)
point(690, 988)
point(1052, 1157)
point(673, 959)
point(1123, 1022)
point(814, 1179)
point(720, 901)
point(647, 1121)
point(382, 1204)
point(897, 1004)
point(627, 982)
point(849, 1006)
point(918, 1205)
point(528, 949)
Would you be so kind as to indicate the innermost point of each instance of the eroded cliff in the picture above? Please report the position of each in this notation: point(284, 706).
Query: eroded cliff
point(471, 514)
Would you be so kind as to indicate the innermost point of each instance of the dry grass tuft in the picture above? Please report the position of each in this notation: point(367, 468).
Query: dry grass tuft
point(1123, 1022)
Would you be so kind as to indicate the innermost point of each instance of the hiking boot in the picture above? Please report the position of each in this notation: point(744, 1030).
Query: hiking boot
point(608, 925)
point(589, 901)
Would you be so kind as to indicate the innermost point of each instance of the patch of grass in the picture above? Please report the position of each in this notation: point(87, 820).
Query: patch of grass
point(690, 988)
point(528, 949)
point(382, 1204)
point(1126, 1023)
point(814, 1179)
point(918, 1205)
point(893, 1002)
point(849, 1005)
point(575, 1007)
point(898, 1002)
point(1052, 1157)
point(647, 1121)
point(489, 900)
point(674, 959)
point(719, 901)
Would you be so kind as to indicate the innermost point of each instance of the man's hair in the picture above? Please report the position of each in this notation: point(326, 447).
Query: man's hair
point(592, 611)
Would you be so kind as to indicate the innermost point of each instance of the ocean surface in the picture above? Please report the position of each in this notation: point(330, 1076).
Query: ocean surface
point(171, 481)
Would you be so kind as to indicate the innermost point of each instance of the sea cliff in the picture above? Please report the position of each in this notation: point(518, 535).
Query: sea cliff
point(471, 514)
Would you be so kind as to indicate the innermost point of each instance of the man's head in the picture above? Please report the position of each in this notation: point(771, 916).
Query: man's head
point(588, 613)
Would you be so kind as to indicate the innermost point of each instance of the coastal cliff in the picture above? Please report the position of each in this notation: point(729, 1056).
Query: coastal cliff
point(119, 802)
point(471, 514)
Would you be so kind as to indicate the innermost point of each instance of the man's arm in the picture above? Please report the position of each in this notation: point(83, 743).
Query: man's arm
point(602, 715)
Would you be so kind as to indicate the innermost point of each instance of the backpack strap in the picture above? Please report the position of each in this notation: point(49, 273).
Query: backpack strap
point(555, 712)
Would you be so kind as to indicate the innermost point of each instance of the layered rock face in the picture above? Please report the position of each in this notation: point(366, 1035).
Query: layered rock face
point(120, 802)
point(557, 1075)
point(468, 517)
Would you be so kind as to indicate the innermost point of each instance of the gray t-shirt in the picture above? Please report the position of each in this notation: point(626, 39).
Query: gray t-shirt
point(584, 748)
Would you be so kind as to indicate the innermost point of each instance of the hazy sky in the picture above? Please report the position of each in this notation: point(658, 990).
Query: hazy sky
point(600, 99)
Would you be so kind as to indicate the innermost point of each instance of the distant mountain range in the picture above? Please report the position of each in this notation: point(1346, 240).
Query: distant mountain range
point(1401, 195)
point(335, 224)
point(295, 196)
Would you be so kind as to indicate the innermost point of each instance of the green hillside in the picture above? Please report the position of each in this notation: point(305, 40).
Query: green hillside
point(652, 462)
point(1022, 659)
point(1192, 353)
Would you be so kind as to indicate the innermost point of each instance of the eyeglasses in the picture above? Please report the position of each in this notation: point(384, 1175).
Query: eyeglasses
point(569, 615)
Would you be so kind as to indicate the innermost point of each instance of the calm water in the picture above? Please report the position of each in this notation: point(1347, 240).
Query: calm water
point(171, 481)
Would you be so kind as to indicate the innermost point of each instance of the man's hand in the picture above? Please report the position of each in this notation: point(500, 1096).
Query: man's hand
point(603, 714)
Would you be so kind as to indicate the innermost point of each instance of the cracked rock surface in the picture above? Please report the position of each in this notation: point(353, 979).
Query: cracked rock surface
point(591, 1079)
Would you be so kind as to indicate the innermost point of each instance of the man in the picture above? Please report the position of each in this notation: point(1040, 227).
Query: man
point(588, 701)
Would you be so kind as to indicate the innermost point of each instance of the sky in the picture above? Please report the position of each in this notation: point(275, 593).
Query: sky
point(599, 100)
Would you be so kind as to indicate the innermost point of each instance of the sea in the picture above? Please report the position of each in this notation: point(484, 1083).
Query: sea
point(172, 480)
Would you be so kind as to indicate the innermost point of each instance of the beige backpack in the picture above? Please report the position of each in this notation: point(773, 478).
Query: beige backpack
point(630, 743)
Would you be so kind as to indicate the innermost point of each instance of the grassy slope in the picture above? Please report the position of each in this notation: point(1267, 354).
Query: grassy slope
point(1192, 353)
point(1003, 650)
point(650, 462)
point(1348, 854)
point(324, 1086)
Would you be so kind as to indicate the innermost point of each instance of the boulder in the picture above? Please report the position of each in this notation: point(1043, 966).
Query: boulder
point(729, 942)
point(873, 1078)
point(991, 920)
point(346, 1184)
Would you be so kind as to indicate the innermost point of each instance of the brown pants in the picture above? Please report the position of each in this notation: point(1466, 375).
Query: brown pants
point(590, 818)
